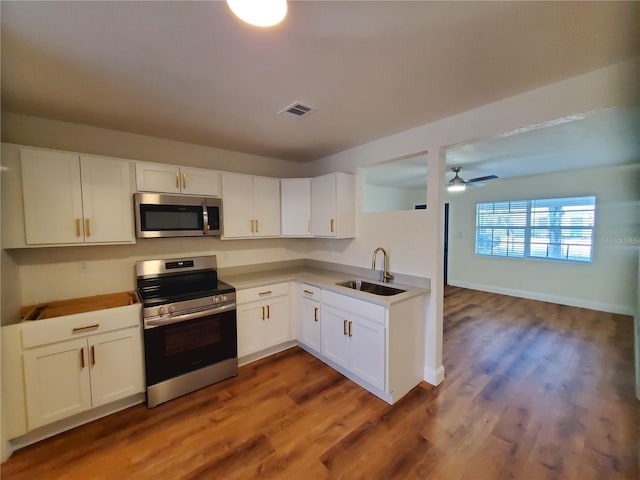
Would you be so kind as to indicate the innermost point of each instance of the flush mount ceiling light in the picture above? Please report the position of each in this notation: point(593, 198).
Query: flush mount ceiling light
point(261, 13)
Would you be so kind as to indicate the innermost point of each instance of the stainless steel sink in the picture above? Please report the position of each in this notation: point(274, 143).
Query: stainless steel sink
point(368, 287)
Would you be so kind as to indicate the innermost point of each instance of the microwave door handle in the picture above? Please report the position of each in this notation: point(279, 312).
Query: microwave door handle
point(205, 217)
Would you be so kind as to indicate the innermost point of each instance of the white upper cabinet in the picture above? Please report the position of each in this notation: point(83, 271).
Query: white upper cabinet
point(72, 199)
point(295, 207)
point(251, 206)
point(333, 206)
point(106, 200)
point(164, 178)
point(52, 197)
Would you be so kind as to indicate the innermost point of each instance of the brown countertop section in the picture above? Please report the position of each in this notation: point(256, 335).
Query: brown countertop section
point(72, 306)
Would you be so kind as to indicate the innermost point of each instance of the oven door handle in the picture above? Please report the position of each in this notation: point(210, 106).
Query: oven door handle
point(189, 316)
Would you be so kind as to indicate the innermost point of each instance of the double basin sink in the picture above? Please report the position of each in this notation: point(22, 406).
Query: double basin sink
point(369, 287)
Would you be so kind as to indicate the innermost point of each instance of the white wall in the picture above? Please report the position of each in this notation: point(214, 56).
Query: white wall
point(389, 199)
point(36, 275)
point(636, 323)
point(41, 132)
point(415, 239)
point(608, 283)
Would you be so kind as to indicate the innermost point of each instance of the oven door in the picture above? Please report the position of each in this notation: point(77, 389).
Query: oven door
point(175, 346)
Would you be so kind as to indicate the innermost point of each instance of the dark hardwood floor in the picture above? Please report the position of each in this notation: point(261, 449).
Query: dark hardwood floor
point(533, 390)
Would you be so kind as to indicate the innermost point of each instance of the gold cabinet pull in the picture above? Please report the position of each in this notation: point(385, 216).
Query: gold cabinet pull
point(344, 327)
point(315, 314)
point(93, 355)
point(256, 226)
point(332, 222)
point(252, 228)
point(87, 227)
point(268, 312)
point(78, 227)
point(184, 180)
point(308, 292)
point(262, 312)
point(177, 180)
point(267, 292)
point(82, 357)
point(85, 329)
point(350, 323)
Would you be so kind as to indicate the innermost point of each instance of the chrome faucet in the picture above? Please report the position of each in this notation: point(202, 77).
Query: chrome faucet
point(386, 276)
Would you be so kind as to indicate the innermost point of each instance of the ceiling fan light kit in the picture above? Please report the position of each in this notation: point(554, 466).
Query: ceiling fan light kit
point(458, 184)
point(260, 13)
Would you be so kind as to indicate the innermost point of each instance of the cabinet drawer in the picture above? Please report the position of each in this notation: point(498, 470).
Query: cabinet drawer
point(362, 308)
point(52, 330)
point(262, 293)
point(311, 292)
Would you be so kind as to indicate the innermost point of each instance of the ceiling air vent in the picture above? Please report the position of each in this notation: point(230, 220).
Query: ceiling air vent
point(297, 109)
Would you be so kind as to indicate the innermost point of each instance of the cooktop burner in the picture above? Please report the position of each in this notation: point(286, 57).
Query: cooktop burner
point(162, 282)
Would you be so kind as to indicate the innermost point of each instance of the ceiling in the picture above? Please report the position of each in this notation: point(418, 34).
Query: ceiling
point(190, 71)
point(598, 139)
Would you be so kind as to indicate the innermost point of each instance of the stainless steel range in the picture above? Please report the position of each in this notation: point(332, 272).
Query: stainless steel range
point(190, 331)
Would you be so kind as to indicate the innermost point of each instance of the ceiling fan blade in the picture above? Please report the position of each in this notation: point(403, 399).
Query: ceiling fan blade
point(482, 179)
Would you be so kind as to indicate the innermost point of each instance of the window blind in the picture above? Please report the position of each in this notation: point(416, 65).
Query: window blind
point(552, 228)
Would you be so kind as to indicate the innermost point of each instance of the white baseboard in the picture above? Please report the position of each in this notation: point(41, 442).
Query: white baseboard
point(434, 377)
point(545, 297)
point(6, 451)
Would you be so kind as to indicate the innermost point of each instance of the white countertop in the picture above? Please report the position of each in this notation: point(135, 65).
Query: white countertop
point(323, 278)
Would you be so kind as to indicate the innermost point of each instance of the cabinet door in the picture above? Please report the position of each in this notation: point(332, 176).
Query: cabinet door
point(157, 177)
point(323, 206)
point(277, 322)
point(266, 206)
point(237, 194)
point(200, 181)
point(52, 197)
point(367, 356)
point(106, 198)
point(335, 342)
point(115, 359)
point(251, 328)
point(310, 334)
point(295, 207)
point(56, 381)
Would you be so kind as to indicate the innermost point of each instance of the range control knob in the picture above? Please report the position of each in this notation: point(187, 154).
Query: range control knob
point(172, 309)
point(161, 311)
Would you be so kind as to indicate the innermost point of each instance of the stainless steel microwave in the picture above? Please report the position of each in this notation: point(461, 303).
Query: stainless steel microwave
point(159, 215)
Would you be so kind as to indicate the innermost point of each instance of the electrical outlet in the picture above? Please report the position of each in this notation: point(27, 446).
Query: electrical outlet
point(83, 266)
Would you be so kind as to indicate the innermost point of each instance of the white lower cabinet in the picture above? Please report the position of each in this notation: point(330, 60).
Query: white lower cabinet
point(56, 381)
point(355, 343)
point(379, 347)
point(263, 316)
point(69, 377)
point(309, 330)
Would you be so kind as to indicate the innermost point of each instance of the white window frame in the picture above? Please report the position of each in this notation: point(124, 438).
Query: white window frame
point(521, 219)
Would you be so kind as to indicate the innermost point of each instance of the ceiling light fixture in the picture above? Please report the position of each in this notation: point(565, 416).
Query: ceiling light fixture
point(456, 184)
point(261, 13)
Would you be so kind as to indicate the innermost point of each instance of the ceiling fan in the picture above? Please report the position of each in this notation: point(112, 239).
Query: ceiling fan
point(458, 184)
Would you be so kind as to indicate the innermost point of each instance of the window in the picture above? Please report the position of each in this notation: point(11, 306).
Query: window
point(554, 228)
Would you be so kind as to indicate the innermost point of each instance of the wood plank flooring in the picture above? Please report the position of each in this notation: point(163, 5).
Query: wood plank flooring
point(533, 390)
